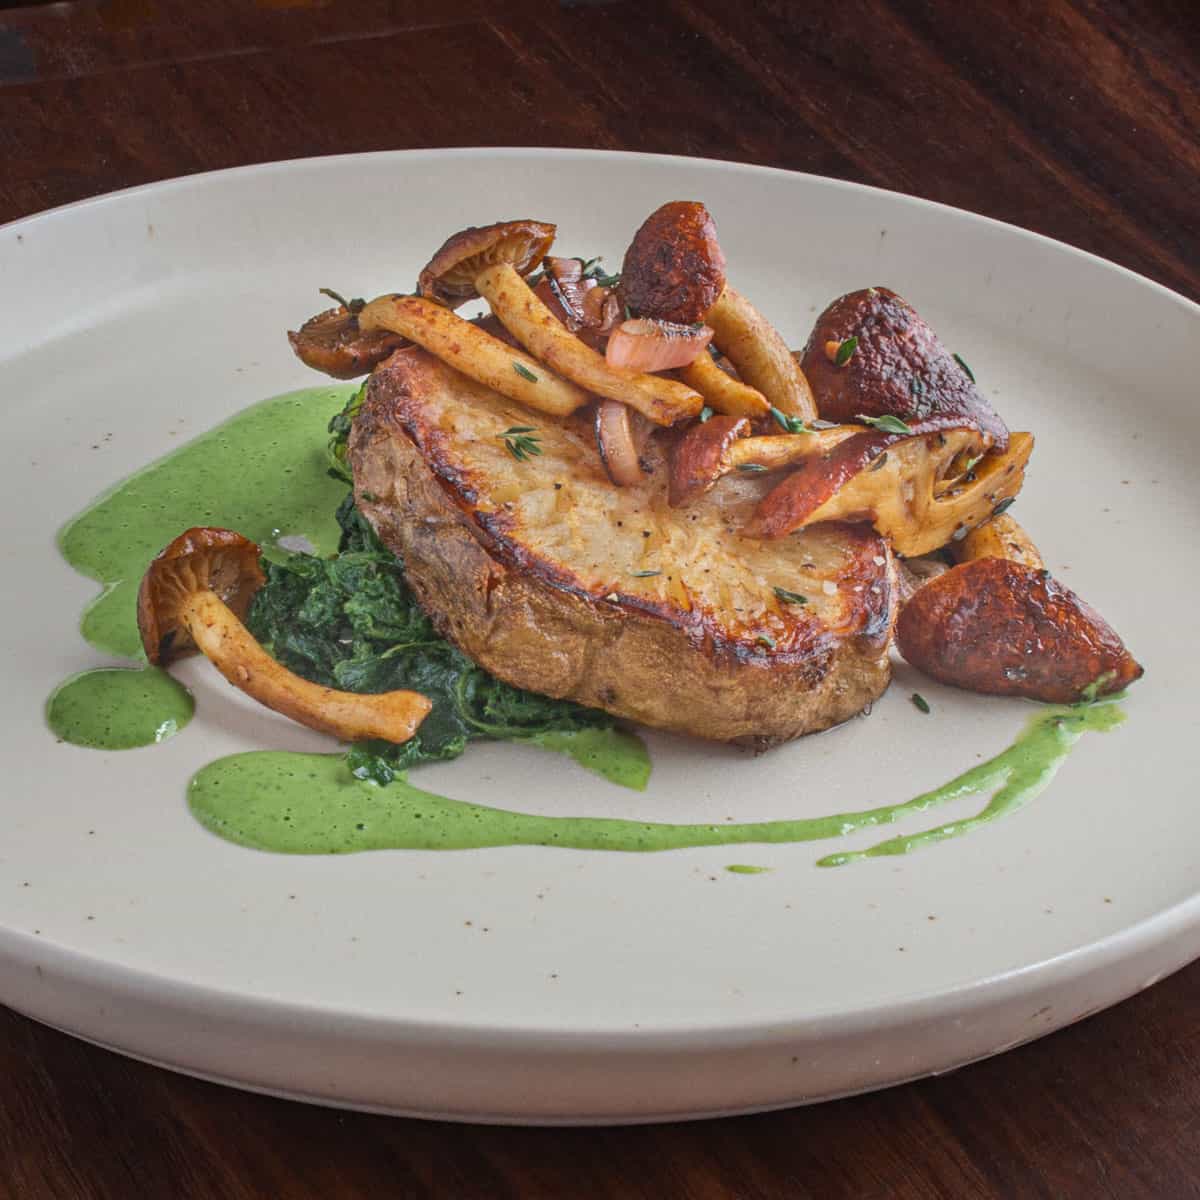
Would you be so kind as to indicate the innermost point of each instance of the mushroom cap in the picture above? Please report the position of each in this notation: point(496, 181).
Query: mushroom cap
point(333, 343)
point(1007, 629)
point(202, 559)
point(898, 367)
point(449, 276)
point(674, 269)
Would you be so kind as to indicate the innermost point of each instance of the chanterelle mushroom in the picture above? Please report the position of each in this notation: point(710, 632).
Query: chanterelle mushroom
point(194, 596)
point(490, 262)
point(333, 342)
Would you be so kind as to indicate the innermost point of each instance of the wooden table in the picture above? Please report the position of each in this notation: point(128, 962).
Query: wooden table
point(1080, 120)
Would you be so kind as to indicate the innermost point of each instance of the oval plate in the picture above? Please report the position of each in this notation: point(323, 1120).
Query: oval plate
point(542, 985)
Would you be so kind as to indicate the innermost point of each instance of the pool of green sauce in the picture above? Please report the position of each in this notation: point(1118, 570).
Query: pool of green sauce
point(264, 473)
point(118, 708)
point(311, 804)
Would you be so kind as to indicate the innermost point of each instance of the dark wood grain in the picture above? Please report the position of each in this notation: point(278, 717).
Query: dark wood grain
point(1080, 120)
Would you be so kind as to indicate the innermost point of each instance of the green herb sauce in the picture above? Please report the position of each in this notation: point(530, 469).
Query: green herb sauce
point(119, 708)
point(311, 804)
point(262, 473)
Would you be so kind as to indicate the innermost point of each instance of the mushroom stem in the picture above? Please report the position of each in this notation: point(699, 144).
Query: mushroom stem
point(777, 450)
point(476, 353)
point(760, 354)
point(663, 401)
point(721, 391)
point(230, 647)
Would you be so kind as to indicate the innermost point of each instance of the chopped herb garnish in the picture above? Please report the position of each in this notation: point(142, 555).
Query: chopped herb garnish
point(524, 372)
point(520, 442)
point(845, 352)
point(705, 414)
point(824, 425)
point(591, 269)
point(962, 362)
point(764, 639)
point(790, 597)
point(1004, 505)
point(788, 424)
point(919, 701)
point(628, 313)
point(644, 574)
point(751, 468)
point(886, 424)
point(972, 463)
point(354, 306)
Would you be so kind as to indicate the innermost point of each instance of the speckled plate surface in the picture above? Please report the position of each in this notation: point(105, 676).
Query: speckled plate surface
point(531, 984)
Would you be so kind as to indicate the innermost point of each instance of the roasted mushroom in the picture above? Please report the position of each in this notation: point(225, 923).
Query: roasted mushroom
point(674, 270)
point(870, 353)
point(996, 626)
point(717, 447)
point(449, 276)
point(721, 391)
point(332, 342)
point(898, 482)
point(194, 596)
point(471, 349)
point(1000, 537)
point(490, 262)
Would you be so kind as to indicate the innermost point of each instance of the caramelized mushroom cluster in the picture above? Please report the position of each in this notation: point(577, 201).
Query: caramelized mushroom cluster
point(874, 422)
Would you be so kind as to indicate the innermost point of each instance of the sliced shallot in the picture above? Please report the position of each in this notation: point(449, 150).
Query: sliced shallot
point(617, 438)
point(643, 344)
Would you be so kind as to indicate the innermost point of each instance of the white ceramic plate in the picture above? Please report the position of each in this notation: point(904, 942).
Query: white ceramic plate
point(531, 984)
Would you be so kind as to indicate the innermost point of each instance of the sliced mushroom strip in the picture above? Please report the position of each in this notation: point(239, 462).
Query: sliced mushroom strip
point(620, 436)
point(194, 596)
point(760, 354)
point(466, 347)
point(663, 401)
point(891, 480)
point(1001, 537)
point(721, 391)
point(1007, 629)
point(721, 446)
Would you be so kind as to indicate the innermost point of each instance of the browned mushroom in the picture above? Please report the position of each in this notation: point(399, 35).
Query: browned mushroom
point(449, 276)
point(720, 446)
point(870, 353)
point(898, 482)
point(332, 342)
point(1000, 537)
point(194, 596)
point(721, 391)
point(468, 347)
point(490, 262)
point(996, 626)
point(760, 354)
point(674, 270)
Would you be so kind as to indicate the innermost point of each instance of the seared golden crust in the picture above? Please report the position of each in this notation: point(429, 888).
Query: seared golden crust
point(1001, 627)
point(556, 581)
point(899, 366)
